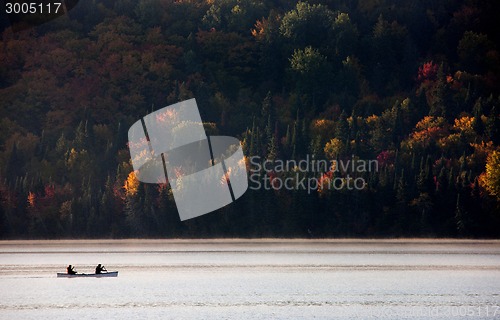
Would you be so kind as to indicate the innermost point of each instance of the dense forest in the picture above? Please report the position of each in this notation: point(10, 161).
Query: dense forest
point(412, 84)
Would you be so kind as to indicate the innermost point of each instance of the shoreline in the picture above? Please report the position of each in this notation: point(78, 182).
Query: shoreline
point(207, 241)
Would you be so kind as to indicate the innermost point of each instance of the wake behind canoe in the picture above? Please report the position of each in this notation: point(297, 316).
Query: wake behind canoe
point(91, 275)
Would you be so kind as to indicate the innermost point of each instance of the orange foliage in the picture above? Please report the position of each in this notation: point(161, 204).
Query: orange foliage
point(424, 137)
point(260, 28)
point(323, 127)
point(324, 181)
point(131, 184)
point(31, 199)
point(430, 129)
point(430, 122)
point(485, 148)
point(464, 124)
point(372, 120)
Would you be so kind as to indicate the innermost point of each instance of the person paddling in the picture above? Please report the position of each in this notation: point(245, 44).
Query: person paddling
point(99, 269)
point(70, 270)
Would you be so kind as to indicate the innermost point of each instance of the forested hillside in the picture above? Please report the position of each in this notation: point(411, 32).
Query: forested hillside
point(412, 84)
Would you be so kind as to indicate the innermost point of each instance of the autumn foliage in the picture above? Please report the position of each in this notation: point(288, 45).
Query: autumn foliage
point(414, 87)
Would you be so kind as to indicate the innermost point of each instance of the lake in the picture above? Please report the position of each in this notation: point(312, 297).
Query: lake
point(252, 279)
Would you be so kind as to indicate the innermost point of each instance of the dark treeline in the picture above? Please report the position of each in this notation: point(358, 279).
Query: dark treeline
point(412, 84)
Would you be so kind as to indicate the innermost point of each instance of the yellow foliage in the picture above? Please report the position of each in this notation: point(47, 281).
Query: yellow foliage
point(491, 179)
point(430, 122)
point(319, 122)
point(333, 148)
point(372, 120)
point(323, 127)
point(464, 124)
point(424, 138)
point(428, 130)
point(359, 121)
point(131, 184)
point(76, 158)
point(72, 157)
point(450, 142)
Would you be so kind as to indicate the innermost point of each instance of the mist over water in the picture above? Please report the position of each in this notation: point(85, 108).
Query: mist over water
point(252, 279)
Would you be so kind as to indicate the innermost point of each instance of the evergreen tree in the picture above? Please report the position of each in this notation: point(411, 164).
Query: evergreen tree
point(460, 217)
point(477, 123)
point(437, 101)
point(342, 127)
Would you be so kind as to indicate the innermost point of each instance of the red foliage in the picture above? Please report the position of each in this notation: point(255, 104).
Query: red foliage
point(385, 158)
point(49, 191)
point(272, 176)
point(427, 71)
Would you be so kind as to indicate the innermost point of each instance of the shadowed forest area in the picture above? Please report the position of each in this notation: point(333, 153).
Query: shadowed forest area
point(412, 84)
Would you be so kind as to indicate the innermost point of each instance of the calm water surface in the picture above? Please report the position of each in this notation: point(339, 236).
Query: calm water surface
point(252, 279)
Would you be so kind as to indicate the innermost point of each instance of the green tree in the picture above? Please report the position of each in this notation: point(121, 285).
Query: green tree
point(308, 25)
point(149, 12)
point(472, 50)
point(234, 15)
point(342, 128)
point(311, 70)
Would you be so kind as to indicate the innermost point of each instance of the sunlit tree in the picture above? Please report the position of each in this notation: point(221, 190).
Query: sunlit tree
point(492, 176)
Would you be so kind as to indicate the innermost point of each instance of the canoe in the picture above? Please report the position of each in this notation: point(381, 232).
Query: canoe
point(88, 275)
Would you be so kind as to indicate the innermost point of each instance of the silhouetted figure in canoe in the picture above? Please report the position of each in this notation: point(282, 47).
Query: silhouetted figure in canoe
point(70, 270)
point(99, 269)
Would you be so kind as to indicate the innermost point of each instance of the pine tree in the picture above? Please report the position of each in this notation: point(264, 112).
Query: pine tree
point(13, 167)
point(477, 123)
point(342, 128)
point(425, 178)
point(493, 126)
point(258, 144)
point(437, 101)
point(294, 138)
point(81, 136)
point(272, 149)
point(288, 139)
point(401, 194)
point(267, 107)
point(460, 216)
point(251, 149)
